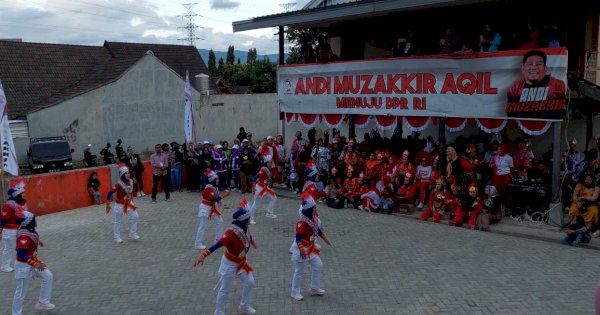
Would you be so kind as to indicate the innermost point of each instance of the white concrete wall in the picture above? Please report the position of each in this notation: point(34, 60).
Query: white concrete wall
point(143, 107)
point(221, 116)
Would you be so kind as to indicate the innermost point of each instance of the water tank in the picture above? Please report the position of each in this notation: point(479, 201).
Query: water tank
point(202, 83)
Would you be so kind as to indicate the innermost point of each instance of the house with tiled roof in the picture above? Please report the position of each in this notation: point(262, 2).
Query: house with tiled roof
point(97, 94)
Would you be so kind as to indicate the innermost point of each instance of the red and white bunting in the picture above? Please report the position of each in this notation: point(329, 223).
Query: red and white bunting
point(417, 123)
point(534, 127)
point(333, 120)
point(290, 118)
point(361, 121)
point(490, 125)
point(455, 124)
point(308, 120)
point(386, 122)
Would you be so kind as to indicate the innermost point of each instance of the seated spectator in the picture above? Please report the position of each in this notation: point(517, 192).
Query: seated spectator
point(332, 196)
point(585, 197)
point(577, 232)
point(350, 190)
point(406, 192)
point(93, 186)
point(449, 43)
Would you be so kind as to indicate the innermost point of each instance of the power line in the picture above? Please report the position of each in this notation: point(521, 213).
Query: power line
point(189, 27)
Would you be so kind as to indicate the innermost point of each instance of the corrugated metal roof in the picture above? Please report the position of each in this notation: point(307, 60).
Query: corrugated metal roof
point(323, 16)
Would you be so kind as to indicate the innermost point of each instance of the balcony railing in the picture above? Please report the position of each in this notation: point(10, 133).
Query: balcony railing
point(592, 70)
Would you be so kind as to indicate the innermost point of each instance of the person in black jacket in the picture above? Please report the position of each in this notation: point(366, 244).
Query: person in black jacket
point(136, 165)
point(248, 165)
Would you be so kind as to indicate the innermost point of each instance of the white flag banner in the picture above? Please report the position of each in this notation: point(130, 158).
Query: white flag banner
point(188, 123)
point(9, 156)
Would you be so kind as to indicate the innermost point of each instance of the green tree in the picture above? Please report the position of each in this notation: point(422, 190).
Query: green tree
point(212, 63)
point(220, 69)
point(230, 55)
point(239, 61)
point(251, 56)
point(303, 43)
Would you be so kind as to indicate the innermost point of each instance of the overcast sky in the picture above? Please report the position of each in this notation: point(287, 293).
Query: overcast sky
point(90, 22)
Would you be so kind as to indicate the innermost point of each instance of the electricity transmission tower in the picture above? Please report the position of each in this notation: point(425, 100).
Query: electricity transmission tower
point(189, 28)
point(287, 7)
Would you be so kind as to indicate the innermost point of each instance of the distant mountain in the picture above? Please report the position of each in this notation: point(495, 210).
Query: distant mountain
point(242, 55)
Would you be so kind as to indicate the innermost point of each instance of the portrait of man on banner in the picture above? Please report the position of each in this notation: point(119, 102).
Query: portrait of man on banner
point(536, 94)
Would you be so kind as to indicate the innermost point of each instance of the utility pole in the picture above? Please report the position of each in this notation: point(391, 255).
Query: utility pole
point(189, 28)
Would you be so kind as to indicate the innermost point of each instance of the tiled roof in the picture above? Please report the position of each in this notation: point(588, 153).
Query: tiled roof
point(37, 76)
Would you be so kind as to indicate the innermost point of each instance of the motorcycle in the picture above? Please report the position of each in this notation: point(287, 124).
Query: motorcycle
point(89, 159)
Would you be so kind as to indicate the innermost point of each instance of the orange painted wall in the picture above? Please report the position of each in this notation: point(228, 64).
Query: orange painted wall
point(55, 192)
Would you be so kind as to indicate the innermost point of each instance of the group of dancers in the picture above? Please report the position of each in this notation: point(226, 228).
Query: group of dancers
point(237, 240)
point(18, 231)
point(19, 236)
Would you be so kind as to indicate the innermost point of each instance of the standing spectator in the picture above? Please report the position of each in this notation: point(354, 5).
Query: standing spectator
point(247, 169)
point(120, 152)
point(159, 162)
point(107, 156)
point(226, 148)
point(407, 46)
point(166, 150)
point(206, 161)
point(177, 167)
point(489, 40)
point(501, 166)
point(220, 166)
point(235, 167)
point(322, 155)
point(242, 134)
point(300, 163)
point(280, 147)
point(192, 167)
point(296, 144)
point(93, 186)
point(251, 142)
point(138, 170)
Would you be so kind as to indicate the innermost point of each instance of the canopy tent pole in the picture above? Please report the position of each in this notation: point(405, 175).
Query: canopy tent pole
point(281, 46)
point(442, 144)
point(556, 162)
point(351, 129)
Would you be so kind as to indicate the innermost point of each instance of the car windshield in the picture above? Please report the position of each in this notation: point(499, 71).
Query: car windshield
point(50, 149)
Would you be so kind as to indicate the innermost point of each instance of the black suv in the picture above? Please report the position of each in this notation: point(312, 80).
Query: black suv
point(50, 154)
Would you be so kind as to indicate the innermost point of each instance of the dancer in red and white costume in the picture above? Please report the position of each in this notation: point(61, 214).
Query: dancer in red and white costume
point(262, 190)
point(123, 190)
point(304, 251)
point(237, 241)
point(438, 200)
point(28, 266)
point(10, 220)
point(207, 210)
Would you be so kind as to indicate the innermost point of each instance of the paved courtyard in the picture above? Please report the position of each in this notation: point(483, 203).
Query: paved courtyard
point(379, 264)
